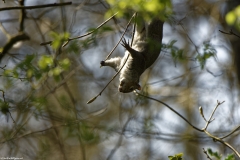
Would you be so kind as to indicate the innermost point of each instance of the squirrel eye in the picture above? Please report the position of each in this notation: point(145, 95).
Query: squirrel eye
point(131, 88)
point(122, 83)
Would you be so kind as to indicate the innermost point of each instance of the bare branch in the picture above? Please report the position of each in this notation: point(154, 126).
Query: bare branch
point(119, 140)
point(223, 142)
point(3, 95)
point(120, 38)
point(204, 151)
point(201, 112)
point(81, 36)
point(233, 131)
point(37, 6)
point(200, 130)
point(99, 94)
point(230, 33)
point(137, 93)
point(210, 118)
point(22, 16)
point(4, 31)
point(13, 40)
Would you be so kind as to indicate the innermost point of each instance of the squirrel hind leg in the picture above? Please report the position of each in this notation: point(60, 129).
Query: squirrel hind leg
point(132, 51)
point(113, 62)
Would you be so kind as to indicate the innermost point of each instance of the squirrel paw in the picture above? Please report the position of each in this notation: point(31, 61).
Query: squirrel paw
point(102, 63)
point(125, 44)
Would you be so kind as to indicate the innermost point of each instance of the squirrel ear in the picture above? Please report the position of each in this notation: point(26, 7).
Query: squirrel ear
point(139, 87)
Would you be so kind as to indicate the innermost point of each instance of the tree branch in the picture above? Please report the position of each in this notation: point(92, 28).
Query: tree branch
point(204, 151)
point(137, 93)
point(22, 16)
point(200, 130)
point(13, 40)
point(36, 7)
point(230, 33)
point(233, 131)
point(81, 36)
point(210, 118)
point(99, 94)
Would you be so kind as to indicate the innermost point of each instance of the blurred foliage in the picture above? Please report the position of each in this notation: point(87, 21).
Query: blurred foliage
point(88, 134)
point(4, 107)
point(232, 17)
point(46, 91)
point(146, 8)
point(176, 157)
point(219, 156)
point(58, 39)
point(208, 52)
point(177, 54)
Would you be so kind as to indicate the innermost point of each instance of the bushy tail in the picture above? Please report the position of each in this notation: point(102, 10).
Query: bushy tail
point(154, 41)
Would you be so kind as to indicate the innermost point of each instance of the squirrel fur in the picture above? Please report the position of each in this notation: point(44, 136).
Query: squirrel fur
point(143, 53)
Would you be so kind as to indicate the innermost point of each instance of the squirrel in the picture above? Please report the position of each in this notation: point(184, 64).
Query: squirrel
point(143, 53)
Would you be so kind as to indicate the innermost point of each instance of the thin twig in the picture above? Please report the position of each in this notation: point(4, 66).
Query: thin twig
point(3, 94)
point(35, 7)
point(22, 16)
point(171, 110)
point(210, 118)
point(230, 33)
point(196, 48)
point(4, 31)
point(119, 140)
point(204, 151)
point(81, 36)
point(11, 116)
point(223, 142)
point(99, 94)
point(4, 100)
point(30, 133)
point(201, 112)
point(120, 38)
point(200, 130)
point(70, 74)
point(233, 131)
point(3, 68)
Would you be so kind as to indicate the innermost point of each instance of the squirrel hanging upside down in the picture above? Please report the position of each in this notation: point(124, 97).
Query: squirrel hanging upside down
point(145, 50)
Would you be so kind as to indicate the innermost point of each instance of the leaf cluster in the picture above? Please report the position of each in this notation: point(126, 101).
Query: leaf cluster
point(232, 17)
point(148, 9)
point(219, 156)
point(176, 157)
point(208, 52)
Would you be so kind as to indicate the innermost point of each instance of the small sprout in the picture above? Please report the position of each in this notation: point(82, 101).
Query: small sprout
point(91, 100)
point(65, 43)
point(201, 110)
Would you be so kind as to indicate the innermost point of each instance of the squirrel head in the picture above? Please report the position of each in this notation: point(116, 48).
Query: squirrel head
point(128, 86)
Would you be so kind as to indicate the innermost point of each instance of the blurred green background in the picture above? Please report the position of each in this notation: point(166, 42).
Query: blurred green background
point(44, 89)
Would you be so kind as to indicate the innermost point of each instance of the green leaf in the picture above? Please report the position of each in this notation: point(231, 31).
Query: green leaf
point(230, 18)
point(208, 52)
point(55, 72)
point(73, 47)
point(147, 8)
point(230, 157)
point(45, 62)
point(58, 39)
point(176, 157)
point(4, 107)
point(214, 154)
point(65, 64)
point(88, 134)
